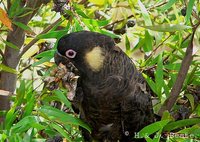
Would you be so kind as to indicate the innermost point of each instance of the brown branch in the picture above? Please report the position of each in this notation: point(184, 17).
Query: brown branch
point(25, 68)
point(36, 39)
point(118, 21)
point(8, 4)
point(170, 101)
point(158, 5)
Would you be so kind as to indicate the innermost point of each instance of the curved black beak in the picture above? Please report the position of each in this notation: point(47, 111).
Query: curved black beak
point(60, 59)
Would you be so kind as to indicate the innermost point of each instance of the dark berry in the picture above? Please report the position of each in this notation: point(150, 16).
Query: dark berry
point(183, 11)
point(130, 23)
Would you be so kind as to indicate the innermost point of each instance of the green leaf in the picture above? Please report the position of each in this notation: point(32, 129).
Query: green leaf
point(49, 53)
point(60, 116)
point(9, 44)
point(191, 100)
point(152, 128)
point(166, 89)
point(14, 8)
point(128, 46)
point(20, 93)
point(189, 10)
point(79, 11)
point(62, 98)
point(52, 34)
point(29, 106)
point(23, 26)
point(139, 45)
point(148, 43)
point(7, 69)
point(195, 130)
point(151, 83)
point(42, 60)
point(95, 23)
point(159, 80)
point(168, 5)
point(166, 116)
point(181, 123)
point(168, 27)
point(10, 117)
point(3, 137)
point(109, 33)
point(145, 14)
point(61, 131)
point(26, 123)
point(173, 66)
point(77, 26)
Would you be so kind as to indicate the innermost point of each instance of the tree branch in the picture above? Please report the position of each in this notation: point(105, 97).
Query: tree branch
point(23, 50)
point(170, 101)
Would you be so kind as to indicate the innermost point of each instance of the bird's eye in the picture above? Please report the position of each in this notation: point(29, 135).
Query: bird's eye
point(70, 53)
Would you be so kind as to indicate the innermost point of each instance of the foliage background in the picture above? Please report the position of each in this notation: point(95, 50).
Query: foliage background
point(162, 38)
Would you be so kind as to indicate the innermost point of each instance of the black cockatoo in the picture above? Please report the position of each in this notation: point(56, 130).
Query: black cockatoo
point(111, 95)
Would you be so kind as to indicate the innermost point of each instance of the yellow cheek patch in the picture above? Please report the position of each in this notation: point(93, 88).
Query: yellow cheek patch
point(95, 58)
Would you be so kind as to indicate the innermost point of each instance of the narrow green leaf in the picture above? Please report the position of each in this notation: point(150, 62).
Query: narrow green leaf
point(10, 117)
point(109, 33)
point(128, 47)
point(152, 128)
point(60, 116)
point(151, 83)
point(14, 8)
point(62, 98)
point(20, 93)
point(173, 66)
point(191, 100)
point(95, 23)
point(139, 45)
point(166, 89)
point(23, 26)
point(168, 27)
point(26, 123)
point(181, 123)
point(195, 130)
point(61, 131)
point(29, 106)
point(159, 76)
point(9, 44)
point(3, 137)
point(148, 139)
point(52, 34)
point(79, 11)
point(168, 5)
point(49, 53)
point(78, 27)
point(7, 69)
point(157, 136)
point(148, 43)
point(145, 14)
point(42, 60)
point(189, 10)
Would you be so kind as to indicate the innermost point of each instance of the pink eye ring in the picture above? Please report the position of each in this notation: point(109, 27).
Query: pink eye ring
point(70, 53)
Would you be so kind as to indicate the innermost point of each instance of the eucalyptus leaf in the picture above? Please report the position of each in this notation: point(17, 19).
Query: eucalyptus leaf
point(168, 27)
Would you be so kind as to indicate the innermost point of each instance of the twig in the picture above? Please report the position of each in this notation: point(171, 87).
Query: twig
point(116, 22)
point(170, 101)
point(25, 68)
point(154, 6)
point(36, 39)
point(8, 4)
point(155, 49)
